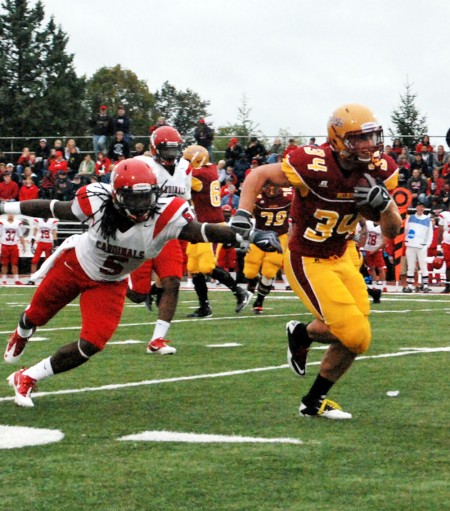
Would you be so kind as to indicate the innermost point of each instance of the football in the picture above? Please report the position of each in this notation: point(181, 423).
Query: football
point(366, 210)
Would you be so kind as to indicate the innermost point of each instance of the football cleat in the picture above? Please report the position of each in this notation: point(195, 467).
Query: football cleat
point(296, 351)
point(257, 309)
point(375, 294)
point(446, 289)
point(323, 408)
point(159, 346)
point(426, 289)
point(22, 385)
point(201, 312)
point(15, 347)
point(243, 298)
point(30, 283)
point(18, 283)
point(407, 290)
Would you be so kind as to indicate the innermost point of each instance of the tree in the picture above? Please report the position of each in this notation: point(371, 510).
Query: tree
point(409, 123)
point(114, 86)
point(182, 109)
point(40, 92)
point(243, 128)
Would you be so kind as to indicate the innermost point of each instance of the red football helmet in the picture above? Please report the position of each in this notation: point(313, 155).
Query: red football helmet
point(165, 144)
point(135, 189)
point(438, 263)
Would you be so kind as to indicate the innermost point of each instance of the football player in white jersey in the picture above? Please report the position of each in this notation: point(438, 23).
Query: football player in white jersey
point(11, 232)
point(444, 240)
point(373, 253)
point(45, 233)
point(173, 175)
point(128, 223)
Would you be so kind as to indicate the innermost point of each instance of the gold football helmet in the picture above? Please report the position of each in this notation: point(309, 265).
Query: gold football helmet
point(355, 133)
point(197, 155)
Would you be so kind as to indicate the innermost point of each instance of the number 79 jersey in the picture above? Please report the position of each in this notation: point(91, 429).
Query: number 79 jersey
point(323, 211)
point(112, 259)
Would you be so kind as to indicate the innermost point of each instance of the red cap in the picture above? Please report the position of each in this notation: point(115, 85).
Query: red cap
point(103, 107)
point(201, 121)
point(58, 153)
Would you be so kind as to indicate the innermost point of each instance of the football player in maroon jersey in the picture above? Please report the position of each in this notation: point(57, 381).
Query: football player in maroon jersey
point(271, 212)
point(201, 256)
point(324, 213)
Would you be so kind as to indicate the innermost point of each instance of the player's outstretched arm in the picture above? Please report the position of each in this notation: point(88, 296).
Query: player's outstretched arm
point(197, 232)
point(39, 209)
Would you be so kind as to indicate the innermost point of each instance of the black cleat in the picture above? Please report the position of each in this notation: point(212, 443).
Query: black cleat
point(298, 347)
point(201, 312)
point(375, 294)
point(243, 298)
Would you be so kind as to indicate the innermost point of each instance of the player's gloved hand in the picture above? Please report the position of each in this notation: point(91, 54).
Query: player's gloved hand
point(241, 222)
point(375, 195)
point(266, 240)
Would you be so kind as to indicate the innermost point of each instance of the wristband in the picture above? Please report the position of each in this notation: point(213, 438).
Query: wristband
point(11, 208)
point(52, 207)
point(203, 232)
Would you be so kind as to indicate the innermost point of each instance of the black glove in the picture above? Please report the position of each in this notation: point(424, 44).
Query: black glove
point(266, 240)
point(375, 195)
point(241, 222)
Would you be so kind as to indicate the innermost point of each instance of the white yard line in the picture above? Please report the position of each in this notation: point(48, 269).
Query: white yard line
point(414, 351)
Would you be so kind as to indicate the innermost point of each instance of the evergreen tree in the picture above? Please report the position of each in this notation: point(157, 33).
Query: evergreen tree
point(243, 128)
point(40, 92)
point(410, 125)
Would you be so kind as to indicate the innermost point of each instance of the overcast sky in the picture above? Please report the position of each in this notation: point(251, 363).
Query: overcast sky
point(294, 60)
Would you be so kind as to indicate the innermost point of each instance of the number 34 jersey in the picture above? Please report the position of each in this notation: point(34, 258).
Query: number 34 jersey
point(323, 211)
point(112, 259)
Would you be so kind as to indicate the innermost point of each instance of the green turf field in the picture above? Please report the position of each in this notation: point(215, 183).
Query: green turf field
point(393, 454)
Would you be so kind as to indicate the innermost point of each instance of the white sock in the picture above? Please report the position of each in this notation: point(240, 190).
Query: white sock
point(161, 329)
point(41, 370)
point(16, 277)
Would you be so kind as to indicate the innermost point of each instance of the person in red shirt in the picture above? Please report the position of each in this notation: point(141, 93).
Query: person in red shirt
point(291, 147)
point(9, 189)
point(28, 190)
point(59, 163)
point(103, 167)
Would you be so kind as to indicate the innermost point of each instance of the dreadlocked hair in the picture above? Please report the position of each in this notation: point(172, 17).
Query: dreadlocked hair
point(110, 216)
point(109, 219)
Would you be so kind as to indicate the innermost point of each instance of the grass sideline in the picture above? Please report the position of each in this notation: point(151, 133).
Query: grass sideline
point(392, 456)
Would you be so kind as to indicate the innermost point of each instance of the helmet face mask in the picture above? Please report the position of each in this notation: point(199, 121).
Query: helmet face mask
point(135, 190)
point(138, 204)
point(271, 190)
point(355, 134)
point(165, 144)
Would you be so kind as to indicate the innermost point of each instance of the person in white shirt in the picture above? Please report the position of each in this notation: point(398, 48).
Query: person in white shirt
point(174, 178)
point(373, 253)
point(11, 232)
point(128, 223)
point(444, 240)
point(418, 237)
point(45, 232)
